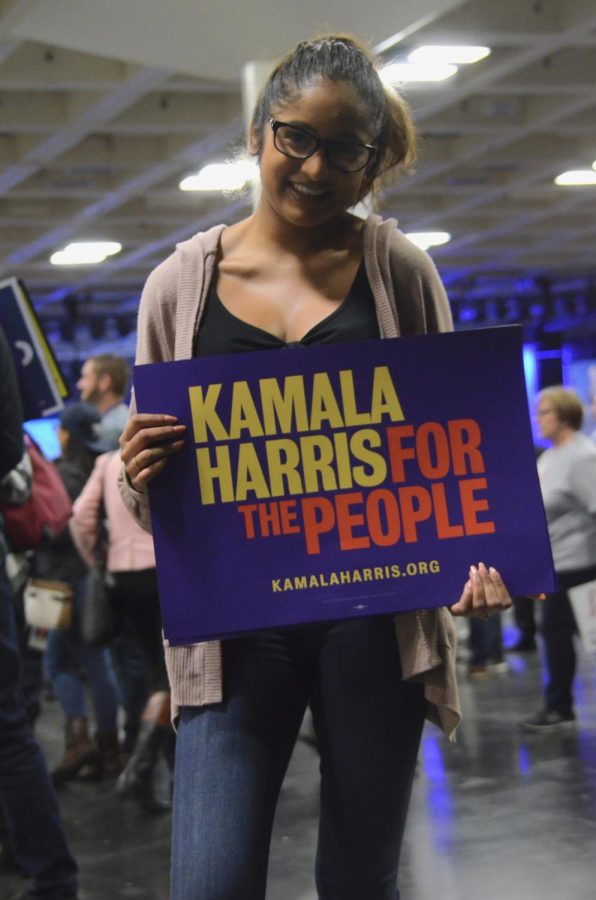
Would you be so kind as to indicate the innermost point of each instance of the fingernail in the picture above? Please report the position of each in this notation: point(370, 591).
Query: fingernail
point(473, 571)
point(493, 571)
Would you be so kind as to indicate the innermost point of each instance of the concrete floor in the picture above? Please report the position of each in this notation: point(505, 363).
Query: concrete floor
point(499, 814)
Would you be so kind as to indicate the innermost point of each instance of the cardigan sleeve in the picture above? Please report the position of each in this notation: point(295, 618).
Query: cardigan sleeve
point(156, 326)
point(420, 297)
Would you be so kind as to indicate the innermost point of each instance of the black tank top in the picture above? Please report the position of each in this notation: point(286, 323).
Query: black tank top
point(355, 319)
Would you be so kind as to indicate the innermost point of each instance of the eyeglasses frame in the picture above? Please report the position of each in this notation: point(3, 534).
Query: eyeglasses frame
point(320, 143)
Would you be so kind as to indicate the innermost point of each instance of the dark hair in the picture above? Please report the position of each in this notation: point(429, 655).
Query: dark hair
point(81, 456)
point(114, 366)
point(339, 57)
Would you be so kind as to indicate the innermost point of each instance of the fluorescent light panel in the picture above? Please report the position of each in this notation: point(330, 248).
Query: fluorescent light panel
point(432, 62)
point(222, 176)
point(426, 239)
point(404, 72)
point(457, 54)
point(82, 253)
point(576, 177)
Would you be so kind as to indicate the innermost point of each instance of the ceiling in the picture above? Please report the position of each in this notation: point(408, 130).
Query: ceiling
point(106, 105)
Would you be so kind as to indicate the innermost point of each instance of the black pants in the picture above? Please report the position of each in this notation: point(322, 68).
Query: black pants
point(138, 647)
point(27, 797)
point(558, 630)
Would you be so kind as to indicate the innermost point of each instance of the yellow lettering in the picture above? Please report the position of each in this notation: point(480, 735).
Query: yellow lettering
point(343, 463)
point(249, 474)
point(323, 405)
point(203, 413)
point(317, 460)
point(282, 409)
point(283, 459)
point(211, 472)
point(384, 400)
point(244, 416)
point(360, 444)
point(348, 399)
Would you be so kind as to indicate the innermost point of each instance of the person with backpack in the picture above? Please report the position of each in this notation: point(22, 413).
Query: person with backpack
point(30, 807)
point(68, 659)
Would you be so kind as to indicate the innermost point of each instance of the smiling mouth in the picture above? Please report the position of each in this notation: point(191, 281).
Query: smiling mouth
point(306, 191)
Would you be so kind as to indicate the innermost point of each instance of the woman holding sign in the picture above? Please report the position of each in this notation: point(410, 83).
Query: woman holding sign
point(302, 269)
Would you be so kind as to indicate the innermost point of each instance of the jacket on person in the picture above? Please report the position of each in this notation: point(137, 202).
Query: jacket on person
point(410, 299)
point(57, 557)
point(130, 548)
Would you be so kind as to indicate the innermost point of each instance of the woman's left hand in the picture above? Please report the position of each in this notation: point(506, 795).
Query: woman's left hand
point(483, 595)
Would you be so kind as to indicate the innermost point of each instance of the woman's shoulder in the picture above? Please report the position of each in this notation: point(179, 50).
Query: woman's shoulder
point(193, 251)
point(583, 446)
point(389, 238)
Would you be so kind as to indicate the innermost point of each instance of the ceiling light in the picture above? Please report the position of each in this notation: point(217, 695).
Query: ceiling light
point(222, 176)
point(576, 177)
point(458, 54)
point(401, 73)
point(85, 253)
point(426, 239)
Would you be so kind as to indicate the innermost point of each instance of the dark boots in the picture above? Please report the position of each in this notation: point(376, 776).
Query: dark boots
point(111, 762)
point(137, 779)
point(80, 751)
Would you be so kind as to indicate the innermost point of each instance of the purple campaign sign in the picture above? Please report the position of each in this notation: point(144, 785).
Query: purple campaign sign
point(343, 480)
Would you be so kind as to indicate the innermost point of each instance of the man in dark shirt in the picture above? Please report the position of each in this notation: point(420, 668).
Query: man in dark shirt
point(27, 796)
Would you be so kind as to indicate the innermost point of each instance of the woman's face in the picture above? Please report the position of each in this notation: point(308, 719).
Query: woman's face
point(548, 420)
point(310, 192)
point(63, 438)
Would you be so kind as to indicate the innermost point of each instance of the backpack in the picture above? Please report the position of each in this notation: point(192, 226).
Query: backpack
point(47, 510)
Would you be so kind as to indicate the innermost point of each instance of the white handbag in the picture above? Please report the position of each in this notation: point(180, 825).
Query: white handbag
point(48, 604)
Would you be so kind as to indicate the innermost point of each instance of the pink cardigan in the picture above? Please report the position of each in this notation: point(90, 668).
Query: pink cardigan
point(130, 548)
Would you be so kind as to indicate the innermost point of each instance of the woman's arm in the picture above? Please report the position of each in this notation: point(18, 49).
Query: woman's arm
point(84, 522)
point(156, 328)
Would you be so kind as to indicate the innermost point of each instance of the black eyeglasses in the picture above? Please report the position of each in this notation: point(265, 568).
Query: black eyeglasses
point(297, 143)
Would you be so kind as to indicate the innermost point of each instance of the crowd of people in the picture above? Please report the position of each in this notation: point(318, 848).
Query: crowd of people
point(301, 269)
point(113, 697)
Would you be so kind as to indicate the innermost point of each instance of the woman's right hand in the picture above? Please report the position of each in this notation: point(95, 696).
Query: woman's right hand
point(146, 443)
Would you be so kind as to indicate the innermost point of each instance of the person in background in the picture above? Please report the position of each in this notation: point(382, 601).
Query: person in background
point(135, 600)
point(16, 489)
point(27, 797)
point(486, 648)
point(525, 621)
point(104, 382)
point(567, 472)
point(593, 411)
point(69, 662)
point(302, 269)
point(524, 614)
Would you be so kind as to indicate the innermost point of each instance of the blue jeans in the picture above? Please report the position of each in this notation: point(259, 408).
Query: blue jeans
point(65, 654)
point(558, 631)
point(231, 760)
point(27, 795)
